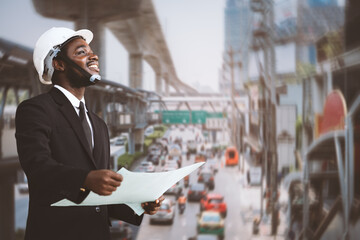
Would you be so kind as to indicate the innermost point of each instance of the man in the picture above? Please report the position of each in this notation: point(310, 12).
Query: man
point(63, 148)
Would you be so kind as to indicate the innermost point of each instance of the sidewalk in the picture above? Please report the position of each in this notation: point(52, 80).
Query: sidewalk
point(265, 224)
point(265, 228)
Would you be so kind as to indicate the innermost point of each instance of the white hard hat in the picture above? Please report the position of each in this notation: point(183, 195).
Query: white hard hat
point(45, 49)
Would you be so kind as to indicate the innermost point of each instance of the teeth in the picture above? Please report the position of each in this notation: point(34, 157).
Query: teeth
point(93, 66)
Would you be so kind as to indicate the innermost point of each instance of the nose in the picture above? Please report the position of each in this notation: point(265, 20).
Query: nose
point(93, 56)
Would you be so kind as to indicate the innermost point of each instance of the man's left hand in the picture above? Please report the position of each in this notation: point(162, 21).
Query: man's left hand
point(152, 207)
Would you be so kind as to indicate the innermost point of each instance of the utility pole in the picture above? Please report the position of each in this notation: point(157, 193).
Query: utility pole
point(273, 143)
point(265, 35)
point(229, 60)
point(233, 106)
point(235, 128)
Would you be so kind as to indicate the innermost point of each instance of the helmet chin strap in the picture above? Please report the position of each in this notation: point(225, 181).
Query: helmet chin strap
point(91, 78)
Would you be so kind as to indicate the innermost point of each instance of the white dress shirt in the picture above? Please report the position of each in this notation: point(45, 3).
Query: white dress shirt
point(76, 103)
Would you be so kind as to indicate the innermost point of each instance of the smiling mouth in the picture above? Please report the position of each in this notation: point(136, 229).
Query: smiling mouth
point(94, 67)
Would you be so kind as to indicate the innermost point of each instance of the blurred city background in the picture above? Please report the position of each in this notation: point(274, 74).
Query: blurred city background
point(266, 92)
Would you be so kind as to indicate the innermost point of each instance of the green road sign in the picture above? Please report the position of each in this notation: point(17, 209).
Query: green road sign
point(175, 117)
point(183, 117)
point(198, 117)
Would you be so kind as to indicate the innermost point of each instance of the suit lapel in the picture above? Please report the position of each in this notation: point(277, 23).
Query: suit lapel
point(69, 113)
point(101, 163)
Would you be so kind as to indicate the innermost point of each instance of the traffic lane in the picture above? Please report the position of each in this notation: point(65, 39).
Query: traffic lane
point(154, 232)
point(241, 202)
point(184, 225)
point(240, 199)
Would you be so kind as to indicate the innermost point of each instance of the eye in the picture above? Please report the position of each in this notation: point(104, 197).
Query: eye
point(81, 52)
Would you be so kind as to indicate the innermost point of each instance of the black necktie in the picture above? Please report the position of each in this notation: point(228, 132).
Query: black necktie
point(85, 125)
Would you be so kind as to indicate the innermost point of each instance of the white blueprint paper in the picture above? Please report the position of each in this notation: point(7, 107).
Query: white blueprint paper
point(136, 188)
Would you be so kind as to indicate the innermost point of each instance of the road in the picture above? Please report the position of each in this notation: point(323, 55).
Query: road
point(243, 203)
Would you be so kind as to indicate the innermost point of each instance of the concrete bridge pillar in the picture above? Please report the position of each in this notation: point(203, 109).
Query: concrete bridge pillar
point(131, 142)
point(135, 70)
point(158, 87)
point(139, 140)
point(167, 86)
point(136, 81)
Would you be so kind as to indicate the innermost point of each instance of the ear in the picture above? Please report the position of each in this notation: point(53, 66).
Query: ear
point(58, 65)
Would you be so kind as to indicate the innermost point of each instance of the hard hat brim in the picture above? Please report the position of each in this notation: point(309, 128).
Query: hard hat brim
point(86, 34)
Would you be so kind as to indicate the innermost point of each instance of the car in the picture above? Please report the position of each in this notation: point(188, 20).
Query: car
point(205, 168)
point(145, 166)
point(196, 191)
point(191, 146)
point(120, 230)
point(154, 159)
point(165, 214)
point(204, 237)
point(169, 166)
point(155, 149)
point(212, 223)
point(120, 141)
point(200, 158)
point(149, 131)
point(209, 153)
point(178, 141)
point(213, 164)
point(174, 150)
point(174, 160)
point(207, 177)
point(175, 190)
point(214, 202)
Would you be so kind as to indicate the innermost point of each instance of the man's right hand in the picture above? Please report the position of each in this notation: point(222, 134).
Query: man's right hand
point(103, 182)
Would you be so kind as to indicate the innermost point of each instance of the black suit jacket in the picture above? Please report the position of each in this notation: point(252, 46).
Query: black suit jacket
point(54, 155)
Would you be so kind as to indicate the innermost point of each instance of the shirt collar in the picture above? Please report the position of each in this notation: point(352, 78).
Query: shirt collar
point(73, 100)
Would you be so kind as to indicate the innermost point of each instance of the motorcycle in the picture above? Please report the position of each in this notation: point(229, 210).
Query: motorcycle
point(186, 181)
point(181, 208)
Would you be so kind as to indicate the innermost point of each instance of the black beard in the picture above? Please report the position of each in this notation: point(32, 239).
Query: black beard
point(77, 79)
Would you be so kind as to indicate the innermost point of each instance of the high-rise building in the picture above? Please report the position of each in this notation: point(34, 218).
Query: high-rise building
point(237, 35)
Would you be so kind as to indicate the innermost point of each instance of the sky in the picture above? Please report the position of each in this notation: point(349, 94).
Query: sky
point(193, 31)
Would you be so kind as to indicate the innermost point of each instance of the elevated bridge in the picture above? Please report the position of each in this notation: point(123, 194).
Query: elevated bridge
point(134, 23)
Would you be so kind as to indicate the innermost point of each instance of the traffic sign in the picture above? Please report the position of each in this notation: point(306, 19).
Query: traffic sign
point(183, 117)
point(198, 117)
point(175, 117)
